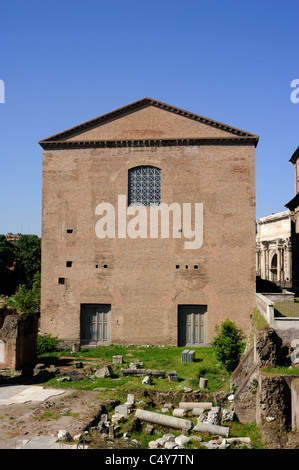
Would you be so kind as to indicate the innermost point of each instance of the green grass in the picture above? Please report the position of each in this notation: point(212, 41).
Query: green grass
point(49, 415)
point(258, 321)
point(281, 370)
point(161, 358)
point(154, 357)
point(287, 309)
point(247, 430)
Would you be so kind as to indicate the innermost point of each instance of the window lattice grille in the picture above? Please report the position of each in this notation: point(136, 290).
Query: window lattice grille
point(144, 186)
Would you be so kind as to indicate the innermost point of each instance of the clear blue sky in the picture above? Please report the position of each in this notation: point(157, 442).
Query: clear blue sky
point(64, 62)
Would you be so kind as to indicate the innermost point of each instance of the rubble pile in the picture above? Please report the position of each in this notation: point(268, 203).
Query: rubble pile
point(209, 423)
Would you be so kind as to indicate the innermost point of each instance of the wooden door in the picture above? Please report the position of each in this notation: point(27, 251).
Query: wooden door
point(95, 324)
point(192, 325)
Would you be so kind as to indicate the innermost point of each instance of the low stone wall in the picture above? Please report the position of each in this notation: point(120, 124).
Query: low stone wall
point(286, 327)
point(243, 369)
point(245, 397)
point(285, 296)
point(266, 308)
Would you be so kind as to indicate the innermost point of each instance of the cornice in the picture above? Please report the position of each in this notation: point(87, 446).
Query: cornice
point(62, 144)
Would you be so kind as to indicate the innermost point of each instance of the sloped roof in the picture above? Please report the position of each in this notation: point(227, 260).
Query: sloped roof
point(81, 135)
point(293, 203)
point(295, 156)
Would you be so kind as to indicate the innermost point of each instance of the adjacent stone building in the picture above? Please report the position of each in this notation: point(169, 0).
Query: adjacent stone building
point(274, 248)
point(293, 206)
point(110, 273)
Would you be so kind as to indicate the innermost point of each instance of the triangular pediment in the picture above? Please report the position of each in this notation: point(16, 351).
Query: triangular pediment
point(147, 120)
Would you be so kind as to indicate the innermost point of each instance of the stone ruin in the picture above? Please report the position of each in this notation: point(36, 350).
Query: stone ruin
point(18, 338)
point(208, 417)
point(267, 398)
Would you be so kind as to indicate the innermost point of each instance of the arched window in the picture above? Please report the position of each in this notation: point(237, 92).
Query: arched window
point(144, 186)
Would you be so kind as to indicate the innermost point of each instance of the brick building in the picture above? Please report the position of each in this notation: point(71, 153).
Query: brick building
point(293, 206)
point(136, 286)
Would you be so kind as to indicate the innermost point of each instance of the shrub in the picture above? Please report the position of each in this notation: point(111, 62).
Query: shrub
point(47, 344)
point(228, 344)
point(27, 300)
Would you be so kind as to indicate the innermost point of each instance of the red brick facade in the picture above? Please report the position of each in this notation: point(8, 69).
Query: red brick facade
point(144, 281)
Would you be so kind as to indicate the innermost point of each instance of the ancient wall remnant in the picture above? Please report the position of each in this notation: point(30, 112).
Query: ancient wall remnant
point(273, 399)
point(266, 347)
point(18, 338)
point(295, 404)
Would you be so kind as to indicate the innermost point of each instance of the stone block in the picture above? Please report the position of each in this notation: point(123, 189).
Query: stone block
point(136, 365)
point(147, 380)
point(117, 359)
point(153, 445)
point(64, 435)
point(203, 383)
point(76, 346)
point(198, 411)
point(117, 418)
point(149, 429)
point(103, 372)
point(122, 410)
point(227, 415)
point(130, 399)
point(172, 375)
point(182, 440)
point(179, 412)
point(170, 445)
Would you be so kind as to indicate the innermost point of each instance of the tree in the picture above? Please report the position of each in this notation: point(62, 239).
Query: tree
point(7, 259)
point(28, 254)
point(228, 344)
point(27, 300)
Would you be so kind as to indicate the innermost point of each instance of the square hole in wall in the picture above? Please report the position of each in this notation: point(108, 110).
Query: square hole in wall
point(177, 266)
point(69, 230)
point(105, 266)
point(61, 280)
point(69, 264)
point(196, 266)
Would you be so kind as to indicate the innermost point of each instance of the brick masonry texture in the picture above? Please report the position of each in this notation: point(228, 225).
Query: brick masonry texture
point(141, 281)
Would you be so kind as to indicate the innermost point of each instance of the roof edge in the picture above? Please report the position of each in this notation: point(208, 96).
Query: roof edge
point(58, 144)
point(137, 105)
point(293, 203)
point(272, 217)
point(295, 156)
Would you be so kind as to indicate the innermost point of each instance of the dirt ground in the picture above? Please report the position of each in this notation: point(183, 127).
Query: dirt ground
point(73, 411)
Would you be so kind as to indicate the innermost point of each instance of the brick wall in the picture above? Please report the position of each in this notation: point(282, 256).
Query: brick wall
point(141, 281)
